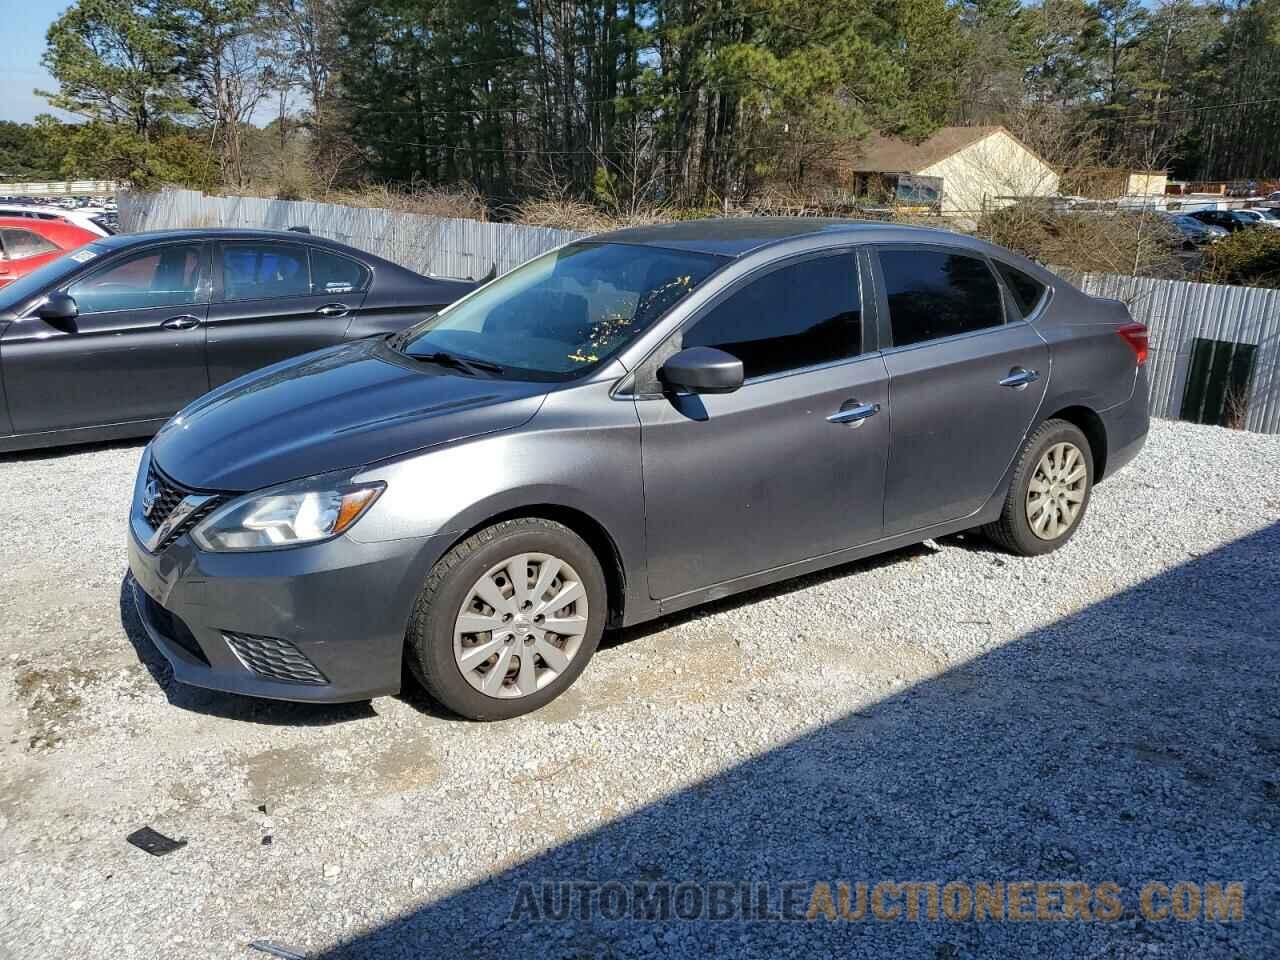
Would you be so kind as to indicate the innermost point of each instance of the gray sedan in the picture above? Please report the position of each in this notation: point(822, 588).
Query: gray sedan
point(625, 427)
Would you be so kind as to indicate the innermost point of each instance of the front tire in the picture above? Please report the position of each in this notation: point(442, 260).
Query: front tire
point(1050, 491)
point(508, 619)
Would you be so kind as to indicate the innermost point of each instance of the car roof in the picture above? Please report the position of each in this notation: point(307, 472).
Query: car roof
point(48, 228)
point(737, 236)
point(219, 233)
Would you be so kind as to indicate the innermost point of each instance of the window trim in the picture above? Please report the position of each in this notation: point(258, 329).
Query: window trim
point(218, 268)
point(1045, 296)
point(886, 329)
point(311, 273)
point(202, 277)
point(625, 390)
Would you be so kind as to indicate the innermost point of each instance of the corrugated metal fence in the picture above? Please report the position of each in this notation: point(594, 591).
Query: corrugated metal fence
point(1176, 311)
point(435, 245)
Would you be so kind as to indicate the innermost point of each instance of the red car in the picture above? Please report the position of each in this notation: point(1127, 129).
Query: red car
point(27, 244)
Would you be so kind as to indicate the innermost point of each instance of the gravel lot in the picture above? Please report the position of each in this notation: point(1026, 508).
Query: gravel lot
point(1107, 713)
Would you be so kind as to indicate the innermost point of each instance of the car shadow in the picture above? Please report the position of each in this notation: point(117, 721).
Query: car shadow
point(1134, 740)
point(227, 705)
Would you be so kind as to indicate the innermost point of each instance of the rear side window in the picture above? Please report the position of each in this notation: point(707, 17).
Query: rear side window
point(19, 244)
point(798, 316)
point(1027, 290)
point(934, 294)
point(335, 274)
point(262, 271)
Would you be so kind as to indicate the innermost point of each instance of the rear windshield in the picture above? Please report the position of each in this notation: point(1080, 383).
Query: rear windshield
point(17, 294)
point(566, 312)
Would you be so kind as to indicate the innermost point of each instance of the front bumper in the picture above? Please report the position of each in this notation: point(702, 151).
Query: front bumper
point(319, 623)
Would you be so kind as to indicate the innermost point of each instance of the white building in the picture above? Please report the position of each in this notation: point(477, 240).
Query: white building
point(980, 167)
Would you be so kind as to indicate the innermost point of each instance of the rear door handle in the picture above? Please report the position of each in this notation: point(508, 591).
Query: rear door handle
point(1019, 377)
point(334, 310)
point(184, 322)
point(854, 412)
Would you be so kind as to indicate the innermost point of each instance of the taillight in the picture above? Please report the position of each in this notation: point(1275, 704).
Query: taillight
point(1135, 335)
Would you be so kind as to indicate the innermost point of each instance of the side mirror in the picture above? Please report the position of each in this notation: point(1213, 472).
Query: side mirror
point(702, 370)
point(58, 308)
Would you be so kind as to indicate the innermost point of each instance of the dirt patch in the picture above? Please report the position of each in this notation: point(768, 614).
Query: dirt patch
point(284, 773)
point(52, 699)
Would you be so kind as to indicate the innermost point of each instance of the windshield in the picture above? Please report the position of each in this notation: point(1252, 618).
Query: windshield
point(13, 296)
point(564, 313)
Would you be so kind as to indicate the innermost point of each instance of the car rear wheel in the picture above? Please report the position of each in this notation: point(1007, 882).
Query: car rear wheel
point(508, 619)
point(1050, 491)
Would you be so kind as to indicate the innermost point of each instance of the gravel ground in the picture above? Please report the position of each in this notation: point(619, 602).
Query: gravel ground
point(946, 712)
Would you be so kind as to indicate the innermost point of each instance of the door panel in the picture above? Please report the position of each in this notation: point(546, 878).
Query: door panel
point(117, 361)
point(955, 427)
point(751, 480)
point(247, 335)
point(266, 307)
point(105, 368)
point(761, 477)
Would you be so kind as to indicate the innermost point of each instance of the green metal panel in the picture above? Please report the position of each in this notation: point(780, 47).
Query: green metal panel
point(1218, 378)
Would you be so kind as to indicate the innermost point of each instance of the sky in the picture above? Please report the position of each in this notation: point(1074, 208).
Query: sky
point(22, 28)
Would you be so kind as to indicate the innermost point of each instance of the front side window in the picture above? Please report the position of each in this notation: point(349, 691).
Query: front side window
point(156, 277)
point(798, 316)
point(565, 312)
point(334, 274)
point(263, 271)
point(934, 294)
point(19, 244)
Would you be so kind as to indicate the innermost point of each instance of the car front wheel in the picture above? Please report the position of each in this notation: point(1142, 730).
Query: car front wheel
point(1049, 493)
point(508, 619)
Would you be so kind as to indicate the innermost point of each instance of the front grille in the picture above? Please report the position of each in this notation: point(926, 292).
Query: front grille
point(272, 658)
point(170, 626)
point(168, 495)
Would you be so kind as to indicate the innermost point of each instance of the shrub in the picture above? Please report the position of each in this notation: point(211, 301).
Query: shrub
point(1249, 257)
point(1136, 243)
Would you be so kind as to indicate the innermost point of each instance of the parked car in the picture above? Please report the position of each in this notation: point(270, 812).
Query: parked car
point(1268, 216)
point(27, 245)
point(619, 429)
point(1194, 232)
point(97, 222)
point(1230, 220)
point(110, 340)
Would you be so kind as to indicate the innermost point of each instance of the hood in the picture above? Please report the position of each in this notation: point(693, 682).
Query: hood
point(342, 407)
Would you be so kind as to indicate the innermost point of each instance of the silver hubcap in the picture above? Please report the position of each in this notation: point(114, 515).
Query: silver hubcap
point(1057, 490)
point(520, 625)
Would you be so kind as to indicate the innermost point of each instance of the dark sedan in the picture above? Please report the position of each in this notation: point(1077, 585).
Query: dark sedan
point(618, 430)
point(1231, 220)
point(109, 341)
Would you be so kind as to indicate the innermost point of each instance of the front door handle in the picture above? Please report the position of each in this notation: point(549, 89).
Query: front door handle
point(183, 322)
point(854, 412)
point(1019, 377)
point(334, 310)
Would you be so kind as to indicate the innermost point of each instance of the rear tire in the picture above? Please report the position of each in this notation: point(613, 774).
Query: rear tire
point(485, 639)
point(1050, 491)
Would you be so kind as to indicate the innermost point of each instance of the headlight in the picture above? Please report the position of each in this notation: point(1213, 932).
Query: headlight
point(304, 512)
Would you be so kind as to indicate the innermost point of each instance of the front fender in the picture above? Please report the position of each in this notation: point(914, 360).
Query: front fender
point(580, 452)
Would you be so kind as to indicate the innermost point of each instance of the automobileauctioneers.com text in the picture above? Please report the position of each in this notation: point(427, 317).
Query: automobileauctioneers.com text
point(885, 901)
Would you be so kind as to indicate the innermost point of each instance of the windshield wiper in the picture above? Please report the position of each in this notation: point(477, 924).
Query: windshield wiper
point(460, 363)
